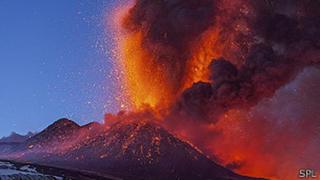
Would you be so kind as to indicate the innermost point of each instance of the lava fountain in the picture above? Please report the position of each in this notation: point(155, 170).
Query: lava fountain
point(201, 62)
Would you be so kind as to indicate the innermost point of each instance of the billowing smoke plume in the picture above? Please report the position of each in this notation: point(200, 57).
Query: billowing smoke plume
point(168, 29)
point(277, 137)
point(283, 48)
point(216, 62)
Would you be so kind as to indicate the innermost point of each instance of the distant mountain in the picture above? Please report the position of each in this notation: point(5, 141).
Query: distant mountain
point(128, 149)
point(16, 138)
point(10, 143)
point(54, 137)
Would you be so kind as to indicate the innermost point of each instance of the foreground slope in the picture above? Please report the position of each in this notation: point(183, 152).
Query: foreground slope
point(24, 171)
point(146, 150)
point(129, 149)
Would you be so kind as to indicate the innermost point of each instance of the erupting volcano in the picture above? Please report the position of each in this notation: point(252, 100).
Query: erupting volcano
point(212, 89)
point(216, 73)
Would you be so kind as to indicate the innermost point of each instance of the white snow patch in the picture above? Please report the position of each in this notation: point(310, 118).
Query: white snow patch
point(9, 169)
point(6, 164)
point(9, 172)
point(28, 168)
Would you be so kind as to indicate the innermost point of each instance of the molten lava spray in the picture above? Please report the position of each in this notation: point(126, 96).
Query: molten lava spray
point(213, 65)
point(160, 47)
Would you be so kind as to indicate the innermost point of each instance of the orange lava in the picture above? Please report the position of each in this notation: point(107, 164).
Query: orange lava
point(145, 81)
point(203, 52)
point(148, 84)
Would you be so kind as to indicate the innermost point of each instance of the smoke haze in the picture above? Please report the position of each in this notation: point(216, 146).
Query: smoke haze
point(236, 78)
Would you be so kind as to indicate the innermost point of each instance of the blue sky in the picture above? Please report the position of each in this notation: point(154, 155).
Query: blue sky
point(55, 62)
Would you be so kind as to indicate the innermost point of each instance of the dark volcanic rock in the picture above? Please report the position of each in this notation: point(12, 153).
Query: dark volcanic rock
point(129, 149)
point(55, 132)
point(145, 150)
point(54, 136)
point(7, 148)
point(52, 140)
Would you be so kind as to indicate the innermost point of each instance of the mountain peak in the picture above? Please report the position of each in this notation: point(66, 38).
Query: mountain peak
point(91, 125)
point(57, 133)
point(130, 149)
point(64, 122)
point(145, 149)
